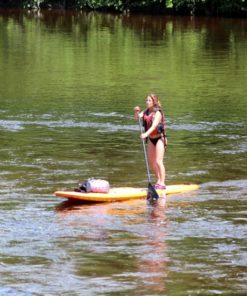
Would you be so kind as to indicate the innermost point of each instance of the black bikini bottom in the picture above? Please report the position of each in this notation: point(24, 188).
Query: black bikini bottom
point(155, 140)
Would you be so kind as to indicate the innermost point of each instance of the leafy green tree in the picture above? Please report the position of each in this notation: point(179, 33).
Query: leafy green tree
point(196, 7)
point(211, 7)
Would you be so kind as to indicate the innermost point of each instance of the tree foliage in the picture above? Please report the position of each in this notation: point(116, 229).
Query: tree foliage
point(197, 7)
point(211, 7)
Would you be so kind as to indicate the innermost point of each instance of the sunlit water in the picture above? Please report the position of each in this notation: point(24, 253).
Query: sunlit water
point(68, 84)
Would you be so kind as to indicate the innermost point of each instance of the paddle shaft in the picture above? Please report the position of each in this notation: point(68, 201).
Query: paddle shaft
point(145, 151)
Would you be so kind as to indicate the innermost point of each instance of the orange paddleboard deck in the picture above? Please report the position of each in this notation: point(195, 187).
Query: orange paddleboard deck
point(123, 193)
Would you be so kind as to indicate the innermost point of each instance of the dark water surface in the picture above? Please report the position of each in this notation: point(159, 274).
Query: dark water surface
point(68, 84)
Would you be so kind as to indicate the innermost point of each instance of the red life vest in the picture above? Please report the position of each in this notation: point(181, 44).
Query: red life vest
point(148, 119)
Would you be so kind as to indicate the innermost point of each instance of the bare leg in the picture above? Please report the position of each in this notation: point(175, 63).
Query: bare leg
point(151, 149)
point(152, 158)
point(160, 150)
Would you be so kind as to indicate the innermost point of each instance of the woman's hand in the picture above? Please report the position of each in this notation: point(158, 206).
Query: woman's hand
point(137, 109)
point(144, 135)
point(137, 112)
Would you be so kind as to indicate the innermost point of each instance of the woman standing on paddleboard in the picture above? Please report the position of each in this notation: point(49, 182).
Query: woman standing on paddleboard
point(154, 123)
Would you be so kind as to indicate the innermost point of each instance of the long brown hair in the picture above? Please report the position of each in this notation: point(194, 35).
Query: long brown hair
point(155, 100)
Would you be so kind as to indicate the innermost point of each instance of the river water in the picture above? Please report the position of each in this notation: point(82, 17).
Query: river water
point(68, 85)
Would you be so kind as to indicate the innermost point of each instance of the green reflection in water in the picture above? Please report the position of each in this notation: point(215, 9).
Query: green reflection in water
point(68, 84)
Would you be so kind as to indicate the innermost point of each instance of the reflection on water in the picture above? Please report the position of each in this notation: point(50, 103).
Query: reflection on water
point(68, 84)
point(132, 229)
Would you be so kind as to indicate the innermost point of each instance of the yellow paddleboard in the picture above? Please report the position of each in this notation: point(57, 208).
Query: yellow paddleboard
point(123, 193)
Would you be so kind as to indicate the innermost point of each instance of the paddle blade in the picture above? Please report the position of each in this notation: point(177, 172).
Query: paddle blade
point(152, 195)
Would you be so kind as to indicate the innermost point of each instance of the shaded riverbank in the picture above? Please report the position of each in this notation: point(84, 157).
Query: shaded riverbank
point(237, 8)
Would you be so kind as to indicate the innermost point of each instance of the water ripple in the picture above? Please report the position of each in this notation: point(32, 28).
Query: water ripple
point(15, 125)
point(12, 125)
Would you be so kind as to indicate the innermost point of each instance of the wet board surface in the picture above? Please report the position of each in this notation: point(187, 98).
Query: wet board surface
point(123, 193)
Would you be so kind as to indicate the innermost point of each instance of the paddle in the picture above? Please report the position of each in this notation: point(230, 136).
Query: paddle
point(152, 194)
